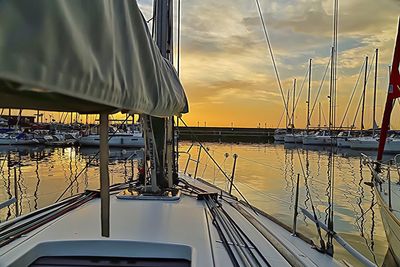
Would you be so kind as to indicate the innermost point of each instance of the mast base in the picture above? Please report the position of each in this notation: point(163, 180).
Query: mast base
point(169, 194)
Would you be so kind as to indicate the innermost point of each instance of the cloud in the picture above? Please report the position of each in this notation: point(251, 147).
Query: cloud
point(225, 62)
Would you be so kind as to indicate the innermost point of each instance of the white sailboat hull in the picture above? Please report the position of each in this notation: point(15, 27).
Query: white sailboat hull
point(392, 146)
point(13, 141)
point(293, 138)
point(319, 140)
point(391, 225)
point(126, 140)
point(390, 217)
point(364, 143)
point(342, 142)
point(279, 137)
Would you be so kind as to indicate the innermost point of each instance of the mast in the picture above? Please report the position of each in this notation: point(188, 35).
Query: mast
point(294, 98)
point(319, 115)
point(331, 91)
point(308, 95)
point(375, 85)
point(19, 119)
point(160, 130)
point(287, 110)
point(363, 94)
point(329, 244)
point(9, 118)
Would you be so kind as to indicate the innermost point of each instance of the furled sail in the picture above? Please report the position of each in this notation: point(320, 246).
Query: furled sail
point(393, 93)
point(83, 56)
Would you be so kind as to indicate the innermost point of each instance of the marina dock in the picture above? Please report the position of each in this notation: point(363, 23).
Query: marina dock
point(227, 134)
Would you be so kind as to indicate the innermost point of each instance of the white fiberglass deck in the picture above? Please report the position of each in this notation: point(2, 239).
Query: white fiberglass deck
point(180, 229)
point(390, 217)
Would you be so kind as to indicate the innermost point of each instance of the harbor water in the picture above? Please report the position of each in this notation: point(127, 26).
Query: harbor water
point(265, 174)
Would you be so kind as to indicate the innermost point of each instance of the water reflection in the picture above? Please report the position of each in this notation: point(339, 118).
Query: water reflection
point(266, 174)
point(37, 175)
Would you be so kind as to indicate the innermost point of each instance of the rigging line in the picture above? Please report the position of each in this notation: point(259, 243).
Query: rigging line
point(361, 97)
point(237, 239)
point(247, 159)
point(244, 237)
point(300, 91)
point(335, 45)
point(352, 94)
point(271, 54)
point(323, 115)
point(251, 160)
point(264, 193)
point(320, 87)
point(280, 120)
point(331, 198)
point(219, 167)
point(321, 240)
point(217, 225)
point(178, 56)
point(91, 159)
point(264, 164)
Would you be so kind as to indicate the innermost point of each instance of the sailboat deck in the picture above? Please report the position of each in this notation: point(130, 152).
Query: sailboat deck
point(180, 229)
point(390, 216)
point(395, 196)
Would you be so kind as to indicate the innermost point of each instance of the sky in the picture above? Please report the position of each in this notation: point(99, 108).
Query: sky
point(227, 71)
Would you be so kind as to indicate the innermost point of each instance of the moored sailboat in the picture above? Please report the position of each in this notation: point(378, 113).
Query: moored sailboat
point(116, 140)
point(385, 188)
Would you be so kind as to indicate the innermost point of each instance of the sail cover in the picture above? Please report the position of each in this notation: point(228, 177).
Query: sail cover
point(83, 56)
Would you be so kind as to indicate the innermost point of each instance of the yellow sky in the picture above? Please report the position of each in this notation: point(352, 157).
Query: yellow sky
point(227, 71)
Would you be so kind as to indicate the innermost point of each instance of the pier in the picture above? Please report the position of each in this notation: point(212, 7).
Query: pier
point(227, 134)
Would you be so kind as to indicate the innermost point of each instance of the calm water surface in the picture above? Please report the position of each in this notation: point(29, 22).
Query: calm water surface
point(265, 174)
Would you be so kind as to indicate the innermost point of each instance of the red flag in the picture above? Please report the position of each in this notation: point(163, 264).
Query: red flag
point(393, 93)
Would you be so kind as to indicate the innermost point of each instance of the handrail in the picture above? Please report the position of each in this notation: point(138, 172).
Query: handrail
point(188, 160)
point(340, 240)
point(7, 203)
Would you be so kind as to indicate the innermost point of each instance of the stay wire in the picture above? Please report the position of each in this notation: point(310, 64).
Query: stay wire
point(361, 97)
point(272, 55)
point(321, 240)
point(299, 94)
point(320, 87)
point(352, 94)
point(280, 120)
point(219, 167)
point(90, 160)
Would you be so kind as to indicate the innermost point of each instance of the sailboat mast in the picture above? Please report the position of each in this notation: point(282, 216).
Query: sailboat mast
point(331, 91)
point(308, 95)
point(9, 118)
point(375, 85)
point(319, 115)
point(363, 95)
point(162, 128)
point(287, 109)
point(294, 99)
